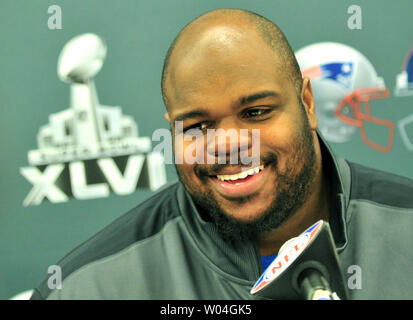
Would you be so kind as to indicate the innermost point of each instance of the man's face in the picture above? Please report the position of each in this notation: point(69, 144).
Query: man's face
point(231, 81)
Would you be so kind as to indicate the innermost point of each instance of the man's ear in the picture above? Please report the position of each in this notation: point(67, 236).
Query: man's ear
point(308, 100)
point(166, 116)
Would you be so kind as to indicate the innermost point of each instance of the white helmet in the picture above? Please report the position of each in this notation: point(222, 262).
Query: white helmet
point(404, 80)
point(342, 78)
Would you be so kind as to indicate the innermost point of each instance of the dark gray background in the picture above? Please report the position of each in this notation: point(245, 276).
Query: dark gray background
point(137, 34)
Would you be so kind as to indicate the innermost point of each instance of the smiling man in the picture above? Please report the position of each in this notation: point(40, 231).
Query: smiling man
point(211, 234)
point(235, 70)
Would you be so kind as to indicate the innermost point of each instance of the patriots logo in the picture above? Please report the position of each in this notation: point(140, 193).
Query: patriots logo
point(340, 72)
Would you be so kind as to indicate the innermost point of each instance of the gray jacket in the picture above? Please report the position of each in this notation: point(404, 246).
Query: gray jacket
point(163, 249)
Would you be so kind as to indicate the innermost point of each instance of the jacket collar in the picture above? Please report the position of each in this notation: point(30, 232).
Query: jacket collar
point(238, 259)
point(339, 175)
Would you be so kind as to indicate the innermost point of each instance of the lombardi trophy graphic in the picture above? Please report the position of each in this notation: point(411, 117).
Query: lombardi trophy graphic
point(86, 130)
point(89, 141)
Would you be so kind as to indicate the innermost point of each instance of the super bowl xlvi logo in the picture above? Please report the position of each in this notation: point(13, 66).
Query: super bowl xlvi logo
point(89, 149)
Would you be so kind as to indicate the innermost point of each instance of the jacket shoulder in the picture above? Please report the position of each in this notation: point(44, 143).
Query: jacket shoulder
point(141, 222)
point(380, 186)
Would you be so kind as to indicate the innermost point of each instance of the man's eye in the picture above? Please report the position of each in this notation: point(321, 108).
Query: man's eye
point(198, 126)
point(252, 113)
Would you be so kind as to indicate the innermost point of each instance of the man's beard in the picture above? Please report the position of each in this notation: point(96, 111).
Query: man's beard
point(293, 190)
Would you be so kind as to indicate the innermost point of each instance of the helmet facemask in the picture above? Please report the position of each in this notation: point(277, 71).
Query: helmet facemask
point(359, 115)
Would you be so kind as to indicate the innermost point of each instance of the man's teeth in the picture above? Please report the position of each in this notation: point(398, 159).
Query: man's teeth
point(241, 175)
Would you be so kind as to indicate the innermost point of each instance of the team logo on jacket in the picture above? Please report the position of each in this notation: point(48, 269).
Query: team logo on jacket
point(288, 254)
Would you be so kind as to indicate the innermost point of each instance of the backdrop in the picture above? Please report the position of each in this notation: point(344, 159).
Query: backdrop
point(137, 34)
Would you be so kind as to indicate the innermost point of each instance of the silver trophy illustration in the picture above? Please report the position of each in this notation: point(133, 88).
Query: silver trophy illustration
point(87, 130)
point(89, 149)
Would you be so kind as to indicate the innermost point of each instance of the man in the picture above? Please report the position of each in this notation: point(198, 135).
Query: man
point(208, 235)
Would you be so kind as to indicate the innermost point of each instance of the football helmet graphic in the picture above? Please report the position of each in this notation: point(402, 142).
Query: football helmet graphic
point(404, 87)
point(344, 82)
point(403, 124)
point(404, 80)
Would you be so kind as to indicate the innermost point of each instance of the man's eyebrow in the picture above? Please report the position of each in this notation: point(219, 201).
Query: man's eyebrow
point(257, 96)
point(243, 100)
point(190, 114)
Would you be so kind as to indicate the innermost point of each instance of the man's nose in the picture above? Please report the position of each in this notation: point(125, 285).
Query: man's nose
point(226, 142)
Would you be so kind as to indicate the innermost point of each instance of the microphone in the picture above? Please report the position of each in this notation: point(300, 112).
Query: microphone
point(307, 267)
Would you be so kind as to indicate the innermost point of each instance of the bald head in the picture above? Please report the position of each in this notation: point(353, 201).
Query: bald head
point(223, 27)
